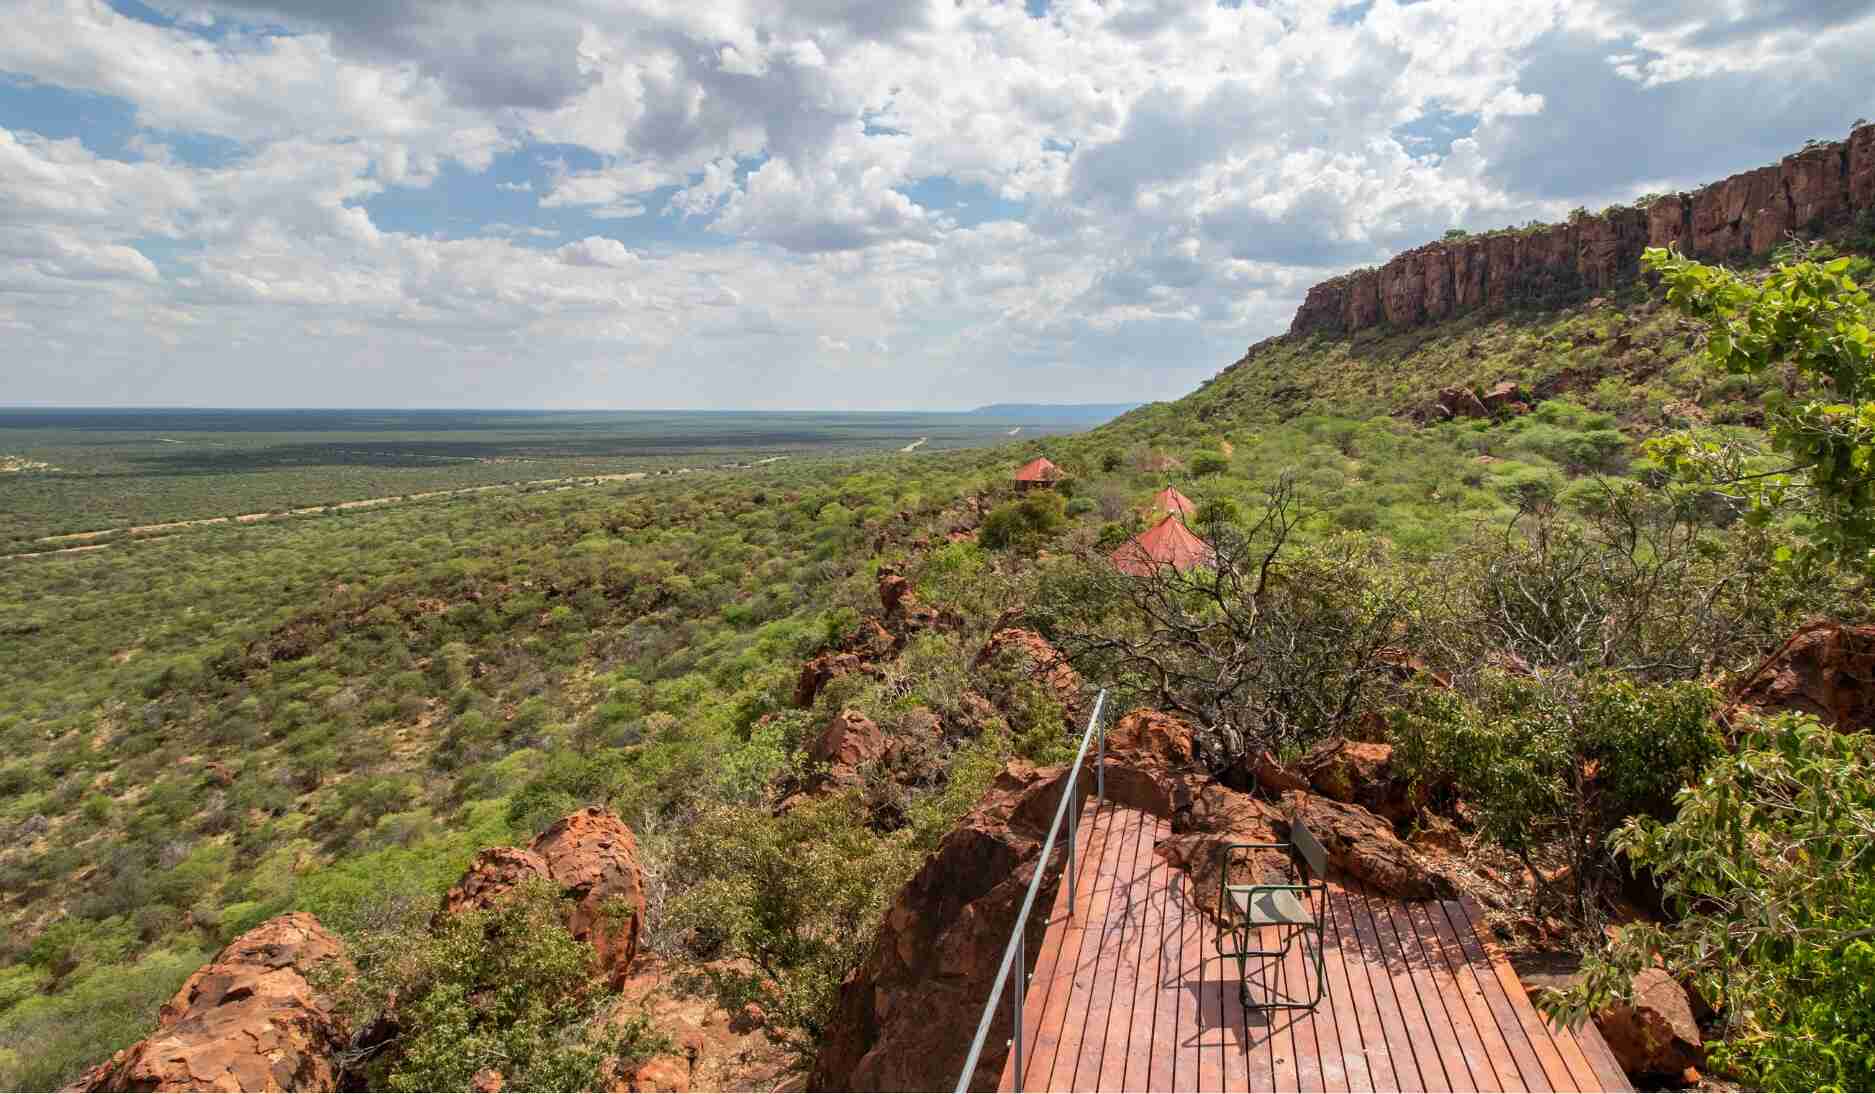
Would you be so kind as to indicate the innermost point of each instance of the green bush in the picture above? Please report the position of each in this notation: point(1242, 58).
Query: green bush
point(1025, 523)
point(1769, 863)
point(506, 988)
point(47, 1039)
point(798, 895)
point(1558, 761)
point(1205, 464)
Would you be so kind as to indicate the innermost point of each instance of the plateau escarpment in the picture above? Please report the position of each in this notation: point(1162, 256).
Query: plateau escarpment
point(1750, 213)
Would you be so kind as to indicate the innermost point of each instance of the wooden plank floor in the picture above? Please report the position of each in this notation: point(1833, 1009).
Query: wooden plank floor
point(1128, 993)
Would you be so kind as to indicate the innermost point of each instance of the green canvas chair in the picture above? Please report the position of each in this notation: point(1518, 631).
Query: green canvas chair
point(1295, 910)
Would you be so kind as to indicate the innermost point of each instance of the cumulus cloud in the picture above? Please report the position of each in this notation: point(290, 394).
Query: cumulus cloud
point(1104, 201)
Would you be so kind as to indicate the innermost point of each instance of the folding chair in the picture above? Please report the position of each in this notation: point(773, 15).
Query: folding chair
point(1295, 910)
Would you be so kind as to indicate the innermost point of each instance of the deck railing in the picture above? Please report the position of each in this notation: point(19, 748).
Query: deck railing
point(1015, 954)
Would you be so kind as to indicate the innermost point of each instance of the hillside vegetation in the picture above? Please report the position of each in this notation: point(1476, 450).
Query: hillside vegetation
point(333, 714)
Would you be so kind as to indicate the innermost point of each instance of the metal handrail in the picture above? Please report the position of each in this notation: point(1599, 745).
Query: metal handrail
point(1015, 953)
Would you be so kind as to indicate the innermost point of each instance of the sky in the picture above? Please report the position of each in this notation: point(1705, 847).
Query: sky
point(809, 204)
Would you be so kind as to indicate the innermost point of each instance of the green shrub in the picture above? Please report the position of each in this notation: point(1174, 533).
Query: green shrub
point(507, 988)
point(1558, 761)
point(1769, 863)
point(798, 894)
point(47, 1039)
point(1218, 511)
point(1025, 523)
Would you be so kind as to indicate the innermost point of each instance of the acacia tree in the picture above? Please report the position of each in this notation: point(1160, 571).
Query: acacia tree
point(1273, 645)
point(1814, 319)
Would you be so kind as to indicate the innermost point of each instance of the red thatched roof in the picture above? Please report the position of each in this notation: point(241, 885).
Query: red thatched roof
point(1039, 469)
point(1171, 501)
point(1168, 543)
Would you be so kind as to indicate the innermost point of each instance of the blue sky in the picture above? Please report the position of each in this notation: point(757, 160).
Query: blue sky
point(826, 204)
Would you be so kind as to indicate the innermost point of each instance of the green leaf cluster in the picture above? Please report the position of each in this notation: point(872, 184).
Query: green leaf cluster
point(1770, 864)
point(1808, 324)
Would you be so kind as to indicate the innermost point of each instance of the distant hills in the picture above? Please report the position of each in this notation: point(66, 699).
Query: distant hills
point(1055, 413)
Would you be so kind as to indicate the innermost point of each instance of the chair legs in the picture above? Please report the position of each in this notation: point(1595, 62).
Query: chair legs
point(1243, 954)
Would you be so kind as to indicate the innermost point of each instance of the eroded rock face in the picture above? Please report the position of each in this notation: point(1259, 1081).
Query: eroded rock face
point(248, 1020)
point(1654, 1034)
point(593, 858)
point(906, 1017)
point(1826, 669)
point(1045, 664)
point(1861, 168)
point(1669, 221)
point(850, 740)
point(1749, 212)
point(1365, 845)
point(1359, 773)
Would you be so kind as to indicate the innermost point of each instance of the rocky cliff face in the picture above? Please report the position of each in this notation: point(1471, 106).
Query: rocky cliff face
point(1822, 185)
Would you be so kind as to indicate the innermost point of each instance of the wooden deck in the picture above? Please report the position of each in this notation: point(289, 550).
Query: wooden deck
point(1129, 994)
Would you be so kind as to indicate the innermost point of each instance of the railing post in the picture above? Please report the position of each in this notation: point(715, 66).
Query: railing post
point(1021, 973)
point(1100, 770)
point(1073, 823)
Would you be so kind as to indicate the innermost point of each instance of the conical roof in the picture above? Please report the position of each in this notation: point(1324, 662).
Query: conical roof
point(1168, 543)
point(1039, 469)
point(1171, 501)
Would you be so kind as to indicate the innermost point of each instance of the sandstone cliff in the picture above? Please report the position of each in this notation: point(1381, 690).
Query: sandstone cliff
point(1822, 185)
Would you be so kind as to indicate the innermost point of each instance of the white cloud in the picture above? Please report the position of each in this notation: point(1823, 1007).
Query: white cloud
point(1166, 179)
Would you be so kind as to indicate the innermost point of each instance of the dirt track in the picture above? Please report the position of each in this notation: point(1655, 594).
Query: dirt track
point(83, 540)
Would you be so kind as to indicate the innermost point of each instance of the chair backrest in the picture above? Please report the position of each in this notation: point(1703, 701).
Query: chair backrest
point(1309, 848)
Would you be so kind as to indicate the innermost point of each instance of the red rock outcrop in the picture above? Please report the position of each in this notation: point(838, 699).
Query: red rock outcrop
point(593, 858)
point(907, 1015)
point(1045, 664)
point(905, 614)
point(850, 739)
point(1861, 169)
point(1359, 773)
point(1749, 212)
point(491, 876)
point(1503, 396)
point(893, 589)
point(1365, 845)
point(1462, 402)
point(1150, 763)
point(1826, 669)
point(1262, 772)
point(824, 669)
point(1654, 1033)
point(710, 1047)
point(248, 1020)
